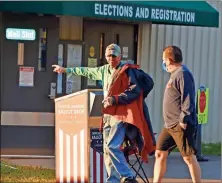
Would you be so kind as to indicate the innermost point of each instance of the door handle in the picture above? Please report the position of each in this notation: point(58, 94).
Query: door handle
point(52, 94)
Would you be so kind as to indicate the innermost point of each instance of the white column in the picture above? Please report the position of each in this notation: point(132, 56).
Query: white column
point(144, 46)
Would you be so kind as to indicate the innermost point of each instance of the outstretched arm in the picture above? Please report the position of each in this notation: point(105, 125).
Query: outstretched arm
point(94, 73)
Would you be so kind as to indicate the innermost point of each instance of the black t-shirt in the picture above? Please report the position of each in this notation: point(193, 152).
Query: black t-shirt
point(179, 98)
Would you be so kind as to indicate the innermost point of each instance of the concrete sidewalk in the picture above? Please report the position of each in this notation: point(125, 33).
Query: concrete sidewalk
point(177, 170)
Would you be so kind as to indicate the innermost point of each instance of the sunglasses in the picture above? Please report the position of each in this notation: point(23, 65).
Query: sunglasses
point(114, 56)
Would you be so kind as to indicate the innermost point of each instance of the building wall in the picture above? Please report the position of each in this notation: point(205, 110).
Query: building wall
point(26, 123)
point(70, 28)
point(201, 47)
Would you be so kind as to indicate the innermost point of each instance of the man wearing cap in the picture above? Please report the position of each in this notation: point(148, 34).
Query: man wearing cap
point(121, 97)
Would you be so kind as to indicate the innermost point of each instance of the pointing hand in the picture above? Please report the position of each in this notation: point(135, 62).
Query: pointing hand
point(58, 69)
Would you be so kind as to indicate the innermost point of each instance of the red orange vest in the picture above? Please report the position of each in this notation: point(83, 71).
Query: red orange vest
point(131, 113)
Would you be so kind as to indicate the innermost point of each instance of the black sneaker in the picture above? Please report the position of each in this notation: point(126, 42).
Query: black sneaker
point(201, 159)
point(130, 180)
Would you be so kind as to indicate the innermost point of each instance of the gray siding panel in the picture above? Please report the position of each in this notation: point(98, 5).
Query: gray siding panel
point(27, 137)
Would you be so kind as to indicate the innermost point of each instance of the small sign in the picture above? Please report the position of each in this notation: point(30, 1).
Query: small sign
point(92, 51)
point(203, 101)
point(20, 34)
point(69, 86)
point(96, 140)
point(125, 52)
point(26, 76)
point(92, 62)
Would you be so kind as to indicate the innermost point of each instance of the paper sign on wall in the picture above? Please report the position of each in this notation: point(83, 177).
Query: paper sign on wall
point(69, 86)
point(60, 62)
point(125, 52)
point(74, 59)
point(26, 76)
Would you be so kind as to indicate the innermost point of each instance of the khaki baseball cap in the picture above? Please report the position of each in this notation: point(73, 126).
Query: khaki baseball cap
point(113, 49)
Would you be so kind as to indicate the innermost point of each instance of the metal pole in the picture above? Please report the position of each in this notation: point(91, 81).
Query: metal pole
point(199, 154)
point(198, 139)
point(1, 60)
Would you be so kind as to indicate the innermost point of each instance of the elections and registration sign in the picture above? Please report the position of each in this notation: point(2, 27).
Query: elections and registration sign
point(138, 12)
point(202, 104)
point(193, 13)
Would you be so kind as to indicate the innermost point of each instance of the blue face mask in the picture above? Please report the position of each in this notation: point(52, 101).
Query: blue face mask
point(164, 66)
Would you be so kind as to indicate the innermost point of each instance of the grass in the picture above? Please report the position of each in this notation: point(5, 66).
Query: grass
point(209, 149)
point(14, 173)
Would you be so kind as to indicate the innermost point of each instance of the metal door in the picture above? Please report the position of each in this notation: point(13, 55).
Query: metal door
point(69, 55)
point(98, 35)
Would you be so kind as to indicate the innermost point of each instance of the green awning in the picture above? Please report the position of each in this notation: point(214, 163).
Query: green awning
point(191, 13)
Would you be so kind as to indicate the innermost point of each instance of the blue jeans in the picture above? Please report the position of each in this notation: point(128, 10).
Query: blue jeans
point(115, 162)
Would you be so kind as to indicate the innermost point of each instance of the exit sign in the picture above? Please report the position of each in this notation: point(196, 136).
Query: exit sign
point(20, 34)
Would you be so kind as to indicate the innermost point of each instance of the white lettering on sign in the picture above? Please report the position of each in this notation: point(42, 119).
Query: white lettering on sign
point(144, 13)
point(97, 137)
point(172, 15)
point(113, 10)
point(20, 34)
point(71, 111)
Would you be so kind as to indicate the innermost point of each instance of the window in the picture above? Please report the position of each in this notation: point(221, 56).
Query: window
point(101, 48)
point(117, 39)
